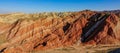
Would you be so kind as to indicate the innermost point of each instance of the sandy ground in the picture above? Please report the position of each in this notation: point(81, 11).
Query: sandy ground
point(84, 49)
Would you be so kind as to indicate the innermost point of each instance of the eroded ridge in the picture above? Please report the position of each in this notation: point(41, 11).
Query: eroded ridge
point(87, 27)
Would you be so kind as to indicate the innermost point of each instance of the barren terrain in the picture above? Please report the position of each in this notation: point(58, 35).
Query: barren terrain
point(65, 32)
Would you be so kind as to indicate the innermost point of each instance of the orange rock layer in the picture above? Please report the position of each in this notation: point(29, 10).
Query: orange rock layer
point(46, 33)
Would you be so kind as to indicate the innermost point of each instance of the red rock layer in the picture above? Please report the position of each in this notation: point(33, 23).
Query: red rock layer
point(47, 33)
point(108, 33)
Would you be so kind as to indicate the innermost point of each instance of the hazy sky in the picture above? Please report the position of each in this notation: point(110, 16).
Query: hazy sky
point(30, 6)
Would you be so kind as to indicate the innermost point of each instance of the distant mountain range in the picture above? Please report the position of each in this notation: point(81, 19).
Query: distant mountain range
point(112, 11)
point(3, 12)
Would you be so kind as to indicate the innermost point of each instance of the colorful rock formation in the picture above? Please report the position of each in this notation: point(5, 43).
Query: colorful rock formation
point(24, 36)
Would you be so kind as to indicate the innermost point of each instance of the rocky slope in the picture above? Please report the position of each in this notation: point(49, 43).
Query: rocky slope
point(85, 27)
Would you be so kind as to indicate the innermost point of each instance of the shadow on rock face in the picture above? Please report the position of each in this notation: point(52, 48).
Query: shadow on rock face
point(93, 27)
point(66, 27)
point(115, 51)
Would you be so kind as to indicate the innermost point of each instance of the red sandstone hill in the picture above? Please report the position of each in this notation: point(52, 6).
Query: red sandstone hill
point(24, 35)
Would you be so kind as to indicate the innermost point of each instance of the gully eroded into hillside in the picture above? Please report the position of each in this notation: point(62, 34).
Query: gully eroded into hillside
point(60, 32)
